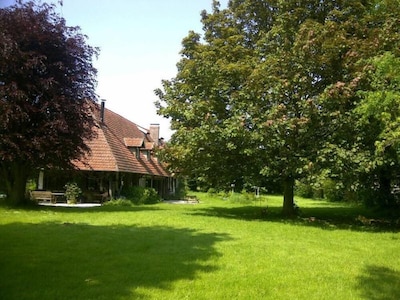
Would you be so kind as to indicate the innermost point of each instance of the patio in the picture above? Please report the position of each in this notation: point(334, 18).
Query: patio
point(69, 205)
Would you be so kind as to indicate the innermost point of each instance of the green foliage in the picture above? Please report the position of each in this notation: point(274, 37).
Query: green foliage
point(118, 202)
point(212, 191)
point(141, 195)
point(31, 185)
point(323, 187)
point(304, 189)
point(378, 117)
point(270, 90)
point(380, 106)
point(243, 197)
point(333, 190)
point(72, 192)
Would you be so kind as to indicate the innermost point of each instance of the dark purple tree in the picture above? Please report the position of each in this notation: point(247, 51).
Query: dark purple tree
point(47, 89)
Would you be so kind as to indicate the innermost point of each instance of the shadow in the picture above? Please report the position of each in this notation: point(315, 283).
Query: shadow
point(379, 283)
point(81, 261)
point(96, 209)
point(328, 218)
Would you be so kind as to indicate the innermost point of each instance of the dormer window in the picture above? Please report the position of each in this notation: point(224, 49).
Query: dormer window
point(135, 151)
point(134, 145)
point(146, 154)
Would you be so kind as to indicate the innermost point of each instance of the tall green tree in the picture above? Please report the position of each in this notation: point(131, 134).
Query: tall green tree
point(378, 116)
point(47, 87)
point(352, 155)
point(271, 85)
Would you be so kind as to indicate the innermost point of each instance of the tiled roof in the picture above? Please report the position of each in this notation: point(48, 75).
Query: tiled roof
point(149, 145)
point(133, 142)
point(110, 152)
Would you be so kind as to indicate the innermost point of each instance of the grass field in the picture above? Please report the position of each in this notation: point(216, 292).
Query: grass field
point(212, 250)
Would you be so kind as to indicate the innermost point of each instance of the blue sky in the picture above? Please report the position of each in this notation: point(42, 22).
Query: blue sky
point(139, 43)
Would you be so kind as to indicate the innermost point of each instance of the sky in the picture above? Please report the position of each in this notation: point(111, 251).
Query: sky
point(139, 43)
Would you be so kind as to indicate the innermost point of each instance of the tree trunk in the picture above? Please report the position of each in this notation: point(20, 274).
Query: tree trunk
point(385, 191)
point(288, 197)
point(16, 175)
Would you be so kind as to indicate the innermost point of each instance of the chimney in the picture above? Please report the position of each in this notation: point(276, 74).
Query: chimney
point(155, 132)
point(103, 103)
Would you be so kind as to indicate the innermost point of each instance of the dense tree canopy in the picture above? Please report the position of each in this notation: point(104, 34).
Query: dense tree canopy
point(46, 81)
point(378, 118)
point(272, 86)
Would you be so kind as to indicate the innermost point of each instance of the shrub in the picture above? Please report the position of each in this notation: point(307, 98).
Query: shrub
point(31, 185)
point(304, 189)
point(333, 191)
point(243, 198)
point(72, 192)
point(223, 195)
point(212, 191)
point(141, 195)
point(118, 202)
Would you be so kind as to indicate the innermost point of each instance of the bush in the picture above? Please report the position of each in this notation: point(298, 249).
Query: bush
point(304, 189)
point(141, 195)
point(307, 189)
point(212, 191)
point(333, 191)
point(223, 195)
point(72, 192)
point(243, 198)
point(118, 202)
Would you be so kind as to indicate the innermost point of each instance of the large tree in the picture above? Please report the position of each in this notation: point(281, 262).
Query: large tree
point(364, 149)
point(271, 85)
point(47, 87)
point(378, 116)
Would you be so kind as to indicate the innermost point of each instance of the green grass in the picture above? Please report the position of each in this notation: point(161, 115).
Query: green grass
point(212, 250)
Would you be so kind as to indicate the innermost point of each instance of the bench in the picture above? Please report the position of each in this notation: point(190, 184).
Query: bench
point(42, 195)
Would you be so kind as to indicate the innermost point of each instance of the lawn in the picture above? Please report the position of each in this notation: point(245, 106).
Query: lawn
point(212, 250)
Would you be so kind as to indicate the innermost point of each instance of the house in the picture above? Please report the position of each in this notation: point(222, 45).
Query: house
point(122, 155)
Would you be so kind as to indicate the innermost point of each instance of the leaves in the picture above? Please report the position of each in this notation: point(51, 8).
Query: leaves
point(380, 106)
point(47, 88)
point(46, 80)
point(273, 85)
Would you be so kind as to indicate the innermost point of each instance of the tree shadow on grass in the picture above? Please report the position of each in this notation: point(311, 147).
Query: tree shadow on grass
point(81, 261)
point(329, 218)
point(94, 209)
point(379, 283)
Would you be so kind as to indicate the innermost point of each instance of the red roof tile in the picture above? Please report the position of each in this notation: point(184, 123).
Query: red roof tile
point(133, 142)
point(149, 145)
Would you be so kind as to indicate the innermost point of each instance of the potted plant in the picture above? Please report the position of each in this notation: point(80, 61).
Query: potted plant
point(72, 192)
